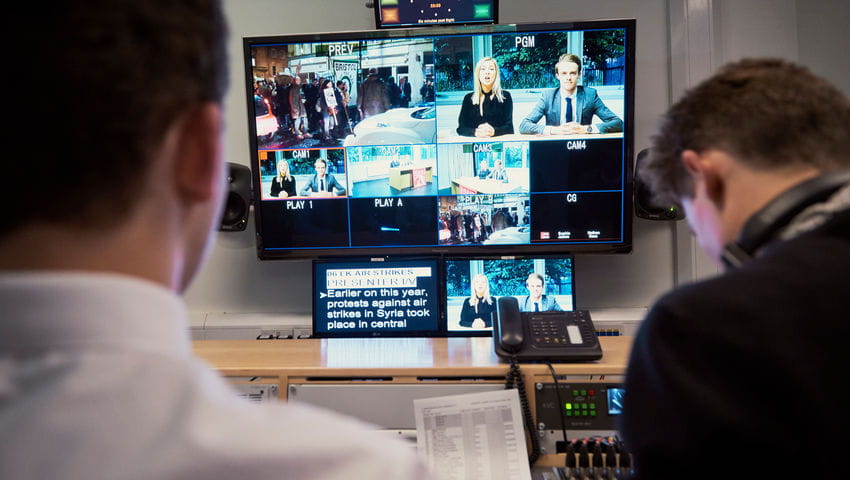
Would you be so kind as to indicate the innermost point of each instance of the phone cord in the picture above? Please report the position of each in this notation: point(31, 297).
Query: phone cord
point(514, 380)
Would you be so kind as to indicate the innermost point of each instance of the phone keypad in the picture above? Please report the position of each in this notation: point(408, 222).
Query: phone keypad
point(558, 330)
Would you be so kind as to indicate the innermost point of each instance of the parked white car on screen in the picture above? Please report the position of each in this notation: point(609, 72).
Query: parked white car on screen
point(398, 126)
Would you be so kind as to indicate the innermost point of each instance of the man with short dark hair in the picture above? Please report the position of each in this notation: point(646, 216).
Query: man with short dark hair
point(742, 374)
point(111, 204)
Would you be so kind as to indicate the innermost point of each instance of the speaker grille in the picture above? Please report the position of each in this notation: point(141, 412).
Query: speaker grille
point(238, 201)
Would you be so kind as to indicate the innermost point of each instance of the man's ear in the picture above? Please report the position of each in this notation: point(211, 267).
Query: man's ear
point(705, 175)
point(198, 167)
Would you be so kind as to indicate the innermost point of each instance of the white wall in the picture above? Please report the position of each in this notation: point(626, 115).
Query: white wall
point(235, 281)
point(822, 39)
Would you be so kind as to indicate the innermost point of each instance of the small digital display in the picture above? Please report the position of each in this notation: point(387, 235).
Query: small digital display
point(615, 400)
point(413, 13)
point(376, 298)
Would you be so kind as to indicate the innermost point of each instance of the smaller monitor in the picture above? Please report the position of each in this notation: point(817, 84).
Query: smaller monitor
point(421, 13)
point(615, 400)
point(540, 283)
point(359, 298)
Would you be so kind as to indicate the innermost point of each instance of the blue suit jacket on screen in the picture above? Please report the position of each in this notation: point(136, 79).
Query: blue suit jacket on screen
point(587, 102)
point(331, 185)
point(547, 304)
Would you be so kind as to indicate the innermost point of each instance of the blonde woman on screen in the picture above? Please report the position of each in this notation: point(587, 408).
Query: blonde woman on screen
point(487, 111)
point(283, 184)
point(478, 308)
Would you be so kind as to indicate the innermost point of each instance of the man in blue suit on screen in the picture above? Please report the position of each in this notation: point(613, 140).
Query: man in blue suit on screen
point(569, 108)
point(536, 300)
point(322, 183)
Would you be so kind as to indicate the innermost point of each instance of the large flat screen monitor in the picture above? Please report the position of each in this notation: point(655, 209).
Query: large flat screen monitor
point(475, 140)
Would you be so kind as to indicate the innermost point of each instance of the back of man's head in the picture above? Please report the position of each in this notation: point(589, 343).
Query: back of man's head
point(767, 113)
point(96, 84)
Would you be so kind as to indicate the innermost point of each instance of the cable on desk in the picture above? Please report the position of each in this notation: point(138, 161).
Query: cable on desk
point(514, 380)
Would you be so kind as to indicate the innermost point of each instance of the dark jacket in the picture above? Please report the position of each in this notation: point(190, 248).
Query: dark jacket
point(587, 102)
point(483, 310)
point(498, 114)
point(748, 368)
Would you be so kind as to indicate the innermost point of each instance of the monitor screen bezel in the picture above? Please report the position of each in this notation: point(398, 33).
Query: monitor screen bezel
point(440, 272)
point(622, 247)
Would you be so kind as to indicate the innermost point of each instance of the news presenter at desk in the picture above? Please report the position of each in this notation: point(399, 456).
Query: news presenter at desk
point(498, 173)
point(559, 106)
point(536, 301)
point(746, 372)
point(322, 184)
point(487, 111)
point(478, 307)
point(483, 169)
point(283, 184)
point(97, 376)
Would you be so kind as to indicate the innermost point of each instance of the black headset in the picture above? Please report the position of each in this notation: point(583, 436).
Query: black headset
point(766, 223)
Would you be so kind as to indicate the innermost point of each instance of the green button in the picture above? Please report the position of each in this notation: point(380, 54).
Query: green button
point(583, 393)
point(575, 393)
point(569, 413)
point(593, 406)
point(569, 406)
point(584, 406)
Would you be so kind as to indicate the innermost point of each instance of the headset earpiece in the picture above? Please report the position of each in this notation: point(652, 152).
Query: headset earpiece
point(766, 223)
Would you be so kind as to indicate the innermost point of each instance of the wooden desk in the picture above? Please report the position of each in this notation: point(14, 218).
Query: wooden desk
point(403, 357)
point(394, 362)
point(473, 185)
point(401, 178)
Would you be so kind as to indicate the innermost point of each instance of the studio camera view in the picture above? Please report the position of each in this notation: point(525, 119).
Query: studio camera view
point(473, 286)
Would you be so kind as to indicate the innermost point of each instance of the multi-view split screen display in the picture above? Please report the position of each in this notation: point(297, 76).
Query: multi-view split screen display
point(505, 139)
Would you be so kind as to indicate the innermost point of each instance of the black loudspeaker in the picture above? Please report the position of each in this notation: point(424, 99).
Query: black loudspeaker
point(763, 226)
point(238, 202)
point(645, 206)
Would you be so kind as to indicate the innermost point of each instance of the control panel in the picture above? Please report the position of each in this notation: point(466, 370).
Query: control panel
point(576, 409)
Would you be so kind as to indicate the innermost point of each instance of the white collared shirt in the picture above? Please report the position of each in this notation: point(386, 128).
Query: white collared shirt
point(98, 381)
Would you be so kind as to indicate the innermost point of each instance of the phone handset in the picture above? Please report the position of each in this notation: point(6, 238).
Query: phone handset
point(543, 336)
point(510, 335)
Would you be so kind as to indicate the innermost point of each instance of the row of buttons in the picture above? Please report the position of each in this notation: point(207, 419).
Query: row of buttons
point(608, 332)
point(582, 413)
point(580, 409)
point(547, 332)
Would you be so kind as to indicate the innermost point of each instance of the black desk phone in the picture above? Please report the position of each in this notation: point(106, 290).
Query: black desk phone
point(543, 336)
